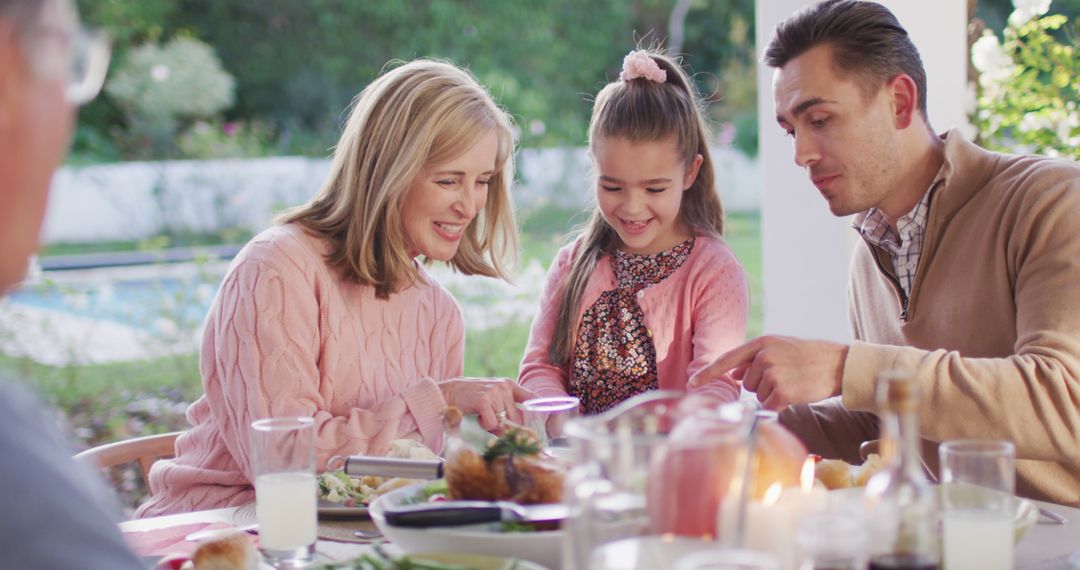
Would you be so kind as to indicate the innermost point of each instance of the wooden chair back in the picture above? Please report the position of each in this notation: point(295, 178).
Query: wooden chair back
point(146, 450)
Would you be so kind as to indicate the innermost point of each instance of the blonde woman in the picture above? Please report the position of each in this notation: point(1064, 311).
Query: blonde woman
point(330, 314)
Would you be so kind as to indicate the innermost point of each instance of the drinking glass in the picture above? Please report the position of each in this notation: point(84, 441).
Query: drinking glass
point(978, 477)
point(833, 540)
point(647, 481)
point(547, 417)
point(283, 463)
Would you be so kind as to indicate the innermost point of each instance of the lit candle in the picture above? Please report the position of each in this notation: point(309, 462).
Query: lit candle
point(771, 522)
point(768, 526)
point(811, 497)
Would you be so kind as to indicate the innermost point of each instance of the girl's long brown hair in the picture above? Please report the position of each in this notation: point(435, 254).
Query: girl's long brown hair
point(641, 110)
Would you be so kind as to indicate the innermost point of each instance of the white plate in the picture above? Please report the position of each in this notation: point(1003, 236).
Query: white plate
point(541, 547)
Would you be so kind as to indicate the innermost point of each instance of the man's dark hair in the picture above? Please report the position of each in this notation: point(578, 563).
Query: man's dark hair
point(866, 39)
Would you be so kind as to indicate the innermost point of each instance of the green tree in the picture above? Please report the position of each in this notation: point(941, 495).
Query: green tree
point(298, 64)
point(1029, 85)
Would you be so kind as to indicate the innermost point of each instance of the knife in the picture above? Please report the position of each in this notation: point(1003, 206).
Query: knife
point(360, 465)
point(456, 513)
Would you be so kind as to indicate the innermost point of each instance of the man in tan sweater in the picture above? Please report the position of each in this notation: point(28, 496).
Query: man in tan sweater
point(969, 274)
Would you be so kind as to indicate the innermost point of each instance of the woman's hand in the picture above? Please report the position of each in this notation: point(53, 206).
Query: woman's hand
point(491, 398)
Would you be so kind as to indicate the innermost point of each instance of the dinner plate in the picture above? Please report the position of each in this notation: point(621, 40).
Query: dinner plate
point(543, 548)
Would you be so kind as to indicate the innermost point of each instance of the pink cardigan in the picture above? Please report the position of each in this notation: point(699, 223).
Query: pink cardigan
point(287, 336)
point(694, 315)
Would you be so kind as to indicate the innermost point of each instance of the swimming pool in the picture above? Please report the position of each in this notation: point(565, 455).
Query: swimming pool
point(157, 300)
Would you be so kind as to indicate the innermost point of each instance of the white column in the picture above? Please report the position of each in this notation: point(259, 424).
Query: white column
point(805, 248)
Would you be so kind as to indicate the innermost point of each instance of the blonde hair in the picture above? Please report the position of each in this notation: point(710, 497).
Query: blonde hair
point(421, 113)
point(641, 110)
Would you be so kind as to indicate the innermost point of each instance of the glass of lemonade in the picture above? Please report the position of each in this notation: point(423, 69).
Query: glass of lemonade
point(283, 463)
point(978, 477)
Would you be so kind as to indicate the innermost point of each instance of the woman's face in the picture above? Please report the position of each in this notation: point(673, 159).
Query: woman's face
point(446, 197)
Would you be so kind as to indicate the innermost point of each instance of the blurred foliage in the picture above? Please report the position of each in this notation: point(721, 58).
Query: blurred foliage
point(299, 64)
point(1029, 85)
point(237, 139)
point(995, 13)
point(159, 86)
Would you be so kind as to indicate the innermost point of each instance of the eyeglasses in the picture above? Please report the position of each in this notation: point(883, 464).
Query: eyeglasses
point(89, 63)
point(80, 57)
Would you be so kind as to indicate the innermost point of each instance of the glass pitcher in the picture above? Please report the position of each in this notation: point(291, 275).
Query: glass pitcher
point(648, 479)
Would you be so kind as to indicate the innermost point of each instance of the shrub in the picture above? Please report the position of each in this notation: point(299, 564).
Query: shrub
point(1029, 84)
point(238, 139)
point(159, 86)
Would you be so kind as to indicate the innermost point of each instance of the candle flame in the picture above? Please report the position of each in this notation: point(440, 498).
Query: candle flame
point(806, 478)
point(772, 494)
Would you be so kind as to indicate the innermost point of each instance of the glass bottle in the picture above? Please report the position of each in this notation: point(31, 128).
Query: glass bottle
point(902, 488)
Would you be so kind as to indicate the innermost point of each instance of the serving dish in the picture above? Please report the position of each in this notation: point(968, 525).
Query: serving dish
point(542, 547)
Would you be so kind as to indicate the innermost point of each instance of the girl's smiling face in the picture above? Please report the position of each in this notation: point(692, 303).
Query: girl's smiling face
point(639, 190)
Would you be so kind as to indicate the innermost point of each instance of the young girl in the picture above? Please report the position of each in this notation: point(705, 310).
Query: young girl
point(330, 314)
point(649, 293)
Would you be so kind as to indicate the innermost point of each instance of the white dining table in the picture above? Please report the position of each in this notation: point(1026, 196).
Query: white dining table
point(1046, 546)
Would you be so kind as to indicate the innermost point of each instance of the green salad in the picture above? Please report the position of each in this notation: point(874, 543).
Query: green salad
point(337, 487)
point(437, 490)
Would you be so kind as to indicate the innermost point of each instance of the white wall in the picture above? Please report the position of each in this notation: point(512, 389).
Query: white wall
point(806, 249)
point(117, 201)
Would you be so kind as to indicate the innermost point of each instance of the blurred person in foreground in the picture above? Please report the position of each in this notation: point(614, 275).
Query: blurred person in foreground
point(57, 515)
point(967, 274)
point(331, 315)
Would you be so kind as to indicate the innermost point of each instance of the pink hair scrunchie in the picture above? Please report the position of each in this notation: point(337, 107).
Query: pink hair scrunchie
point(638, 64)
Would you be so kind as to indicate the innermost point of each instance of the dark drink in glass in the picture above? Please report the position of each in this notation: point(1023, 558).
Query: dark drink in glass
point(903, 562)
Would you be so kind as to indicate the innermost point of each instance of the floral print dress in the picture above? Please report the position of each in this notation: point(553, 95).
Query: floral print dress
point(614, 357)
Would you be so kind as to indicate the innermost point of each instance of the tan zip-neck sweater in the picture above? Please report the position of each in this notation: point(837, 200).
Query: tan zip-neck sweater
point(993, 321)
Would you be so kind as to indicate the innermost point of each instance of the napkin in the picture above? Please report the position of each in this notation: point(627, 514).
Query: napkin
point(168, 540)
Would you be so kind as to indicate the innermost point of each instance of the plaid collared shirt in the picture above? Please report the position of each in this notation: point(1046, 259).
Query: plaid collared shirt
point(904, 243)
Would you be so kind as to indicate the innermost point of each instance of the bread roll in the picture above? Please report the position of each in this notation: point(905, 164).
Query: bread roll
point(872, 465)
point(229, 551)
point(833, 473)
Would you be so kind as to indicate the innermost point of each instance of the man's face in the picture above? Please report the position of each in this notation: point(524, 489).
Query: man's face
point(35, 127)
point(846, 141)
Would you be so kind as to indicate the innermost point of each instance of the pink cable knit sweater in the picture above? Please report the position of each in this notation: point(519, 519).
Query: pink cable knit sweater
point(287, 336)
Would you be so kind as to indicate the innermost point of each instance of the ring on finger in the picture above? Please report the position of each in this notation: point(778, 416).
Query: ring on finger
point(500, 415)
